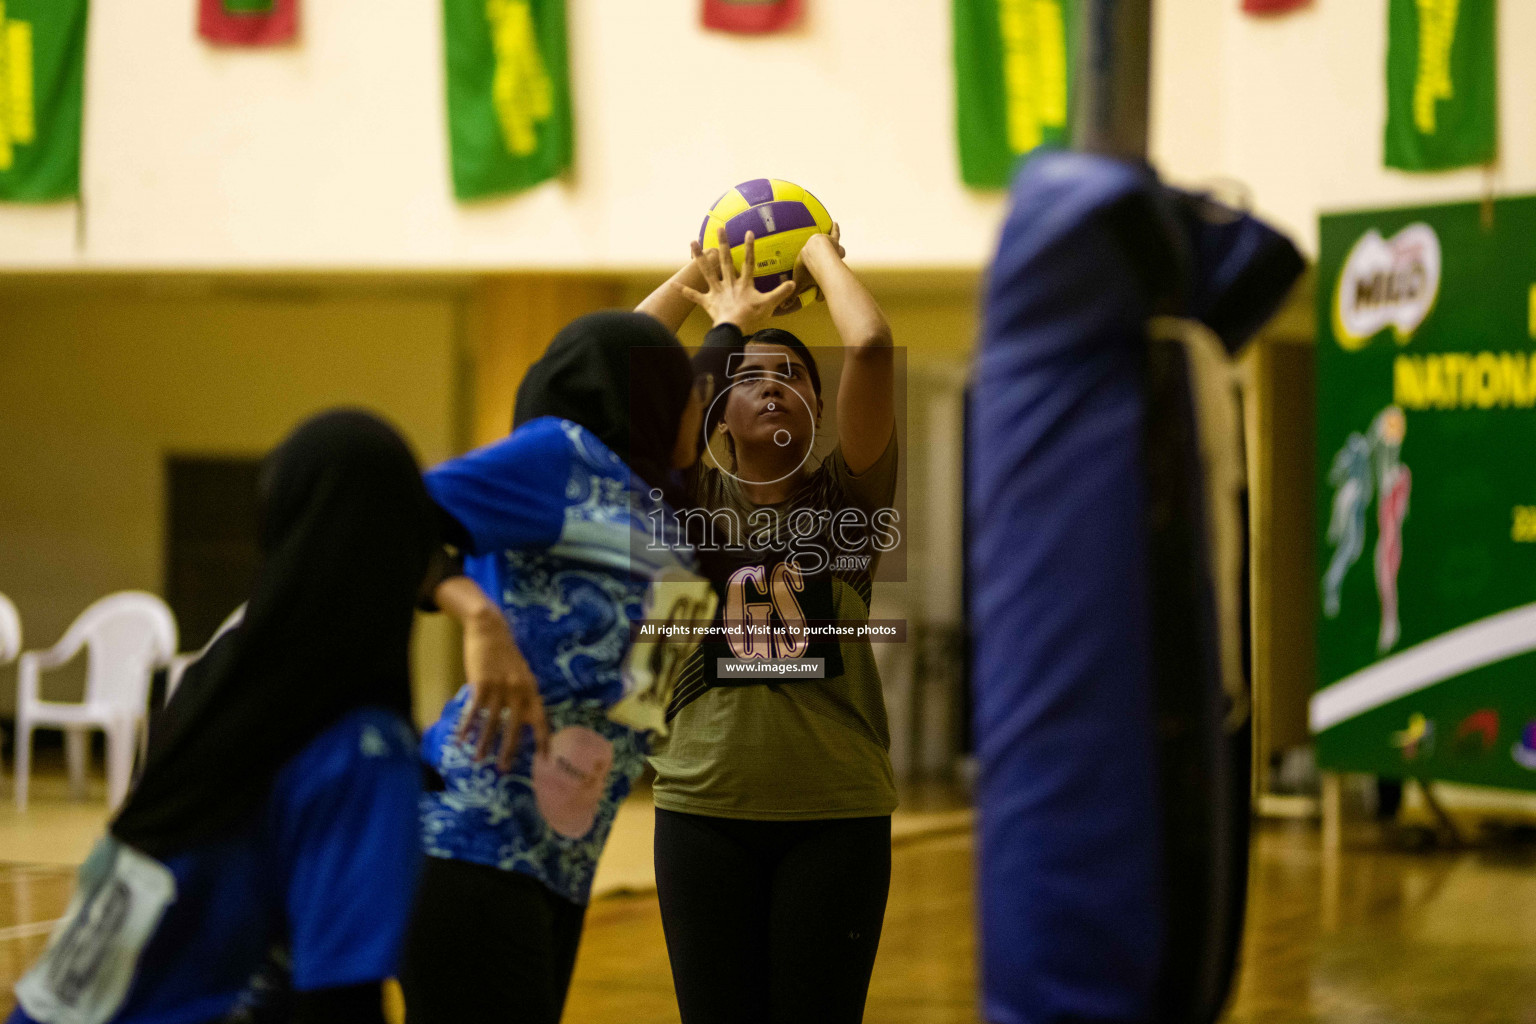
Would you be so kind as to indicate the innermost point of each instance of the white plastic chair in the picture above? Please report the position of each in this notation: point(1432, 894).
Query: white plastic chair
point(10, 631)
point(126, 636)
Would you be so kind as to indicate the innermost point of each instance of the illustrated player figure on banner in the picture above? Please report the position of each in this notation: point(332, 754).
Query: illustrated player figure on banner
point(1393, 483)
point(1351, 479)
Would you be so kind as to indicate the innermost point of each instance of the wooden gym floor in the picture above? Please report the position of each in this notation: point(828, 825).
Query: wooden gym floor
point(1376, 935)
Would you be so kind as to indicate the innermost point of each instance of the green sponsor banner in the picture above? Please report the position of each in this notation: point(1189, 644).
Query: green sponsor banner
point(1426, 493)
point(509, 94)
point(42, 83)
point(1442, 84)
point(1012, 72)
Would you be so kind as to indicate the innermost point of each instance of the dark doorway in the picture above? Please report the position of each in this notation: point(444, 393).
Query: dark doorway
point(211, 543)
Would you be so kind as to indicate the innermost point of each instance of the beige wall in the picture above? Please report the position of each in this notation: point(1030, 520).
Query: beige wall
point(98, 383)
point(333, 154)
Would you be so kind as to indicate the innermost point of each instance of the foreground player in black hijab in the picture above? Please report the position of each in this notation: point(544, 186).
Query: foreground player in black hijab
point(263, 868)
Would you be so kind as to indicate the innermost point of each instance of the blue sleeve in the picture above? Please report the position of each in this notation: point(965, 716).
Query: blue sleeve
point(351, 845)
point(510, 494)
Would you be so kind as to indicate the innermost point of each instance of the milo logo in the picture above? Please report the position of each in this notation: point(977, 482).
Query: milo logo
point(1387, 282)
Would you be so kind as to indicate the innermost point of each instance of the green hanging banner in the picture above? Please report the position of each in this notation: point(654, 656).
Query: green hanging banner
point(1012, 75)
point(509, 94)
point(42, 85)
point(1442, 84)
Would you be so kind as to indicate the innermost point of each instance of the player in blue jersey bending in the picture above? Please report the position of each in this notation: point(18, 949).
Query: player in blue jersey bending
point(264, 865)
point(567, 527)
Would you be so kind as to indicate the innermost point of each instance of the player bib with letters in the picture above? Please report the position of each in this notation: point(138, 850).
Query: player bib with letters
point(89, 964)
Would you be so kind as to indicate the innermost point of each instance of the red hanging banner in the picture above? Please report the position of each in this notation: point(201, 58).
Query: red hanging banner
point(1274, 6)
point(753, 16)
point(248, 22)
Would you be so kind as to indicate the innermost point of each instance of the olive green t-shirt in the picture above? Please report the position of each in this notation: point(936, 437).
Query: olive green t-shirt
point(801, 750)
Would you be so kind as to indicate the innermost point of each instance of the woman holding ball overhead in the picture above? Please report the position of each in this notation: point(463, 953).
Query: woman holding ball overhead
point(774, 793)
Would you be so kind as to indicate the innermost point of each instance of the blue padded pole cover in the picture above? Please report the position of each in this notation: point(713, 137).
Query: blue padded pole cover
point(1070, 683)
point(1069, 857)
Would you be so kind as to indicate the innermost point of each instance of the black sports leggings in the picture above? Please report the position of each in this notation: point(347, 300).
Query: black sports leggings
point(487, 946)
point(772, 922)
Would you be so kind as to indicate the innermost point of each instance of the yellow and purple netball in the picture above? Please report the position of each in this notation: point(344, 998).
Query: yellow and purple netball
point(782, 217)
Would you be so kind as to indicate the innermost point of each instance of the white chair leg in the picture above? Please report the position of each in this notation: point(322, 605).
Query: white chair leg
point(120, 749)
point(76, 753)
point(23, 761)
point(141, 742)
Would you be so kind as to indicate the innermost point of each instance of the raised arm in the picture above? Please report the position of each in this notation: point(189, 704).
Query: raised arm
point(668, 303)
point(865, 406)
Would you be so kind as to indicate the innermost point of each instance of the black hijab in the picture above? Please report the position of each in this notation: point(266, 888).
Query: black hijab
point(624, 377)
point(346, 533)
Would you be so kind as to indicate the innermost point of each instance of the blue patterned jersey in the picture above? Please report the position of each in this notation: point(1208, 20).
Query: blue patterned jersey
point(567, 540)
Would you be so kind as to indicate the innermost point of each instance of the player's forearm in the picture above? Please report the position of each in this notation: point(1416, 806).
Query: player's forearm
point(865, 409)
point(667, 304)
point(462, 598)
point(855, 313)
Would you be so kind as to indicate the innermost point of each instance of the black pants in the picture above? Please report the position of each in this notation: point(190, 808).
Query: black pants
point(769, 921)
point(487, 946)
